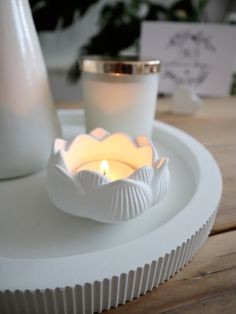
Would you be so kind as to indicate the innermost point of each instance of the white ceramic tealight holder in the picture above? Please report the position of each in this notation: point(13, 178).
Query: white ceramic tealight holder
point(106, 177)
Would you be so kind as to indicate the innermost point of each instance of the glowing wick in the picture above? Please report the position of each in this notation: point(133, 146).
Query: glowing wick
point(104, 167)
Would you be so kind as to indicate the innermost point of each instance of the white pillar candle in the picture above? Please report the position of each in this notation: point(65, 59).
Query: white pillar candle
point(28, 120)
point(120, 95)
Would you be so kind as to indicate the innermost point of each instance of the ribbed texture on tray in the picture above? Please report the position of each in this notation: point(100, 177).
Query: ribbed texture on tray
point(97, 296)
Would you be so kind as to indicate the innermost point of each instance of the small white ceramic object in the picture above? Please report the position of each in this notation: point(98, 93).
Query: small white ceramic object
point(184, 101)
point(104, 177)
point(120, 94)
point(28, 120)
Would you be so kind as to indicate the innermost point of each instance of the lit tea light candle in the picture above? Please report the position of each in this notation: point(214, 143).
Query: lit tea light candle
point(112, 169)
point(106, 177)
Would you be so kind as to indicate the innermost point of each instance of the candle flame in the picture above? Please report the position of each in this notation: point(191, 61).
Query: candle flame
point(104, 167)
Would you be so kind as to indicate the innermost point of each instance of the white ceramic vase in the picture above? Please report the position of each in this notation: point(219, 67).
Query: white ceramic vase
point(28, 120)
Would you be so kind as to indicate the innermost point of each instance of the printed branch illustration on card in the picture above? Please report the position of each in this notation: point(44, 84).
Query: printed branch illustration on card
point(185, 65)
point(198, 55)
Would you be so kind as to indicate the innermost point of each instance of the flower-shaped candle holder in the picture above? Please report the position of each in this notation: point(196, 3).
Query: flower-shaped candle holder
point(106, 177)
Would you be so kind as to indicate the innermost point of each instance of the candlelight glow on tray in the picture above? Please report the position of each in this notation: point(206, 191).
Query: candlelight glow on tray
point(106, 177)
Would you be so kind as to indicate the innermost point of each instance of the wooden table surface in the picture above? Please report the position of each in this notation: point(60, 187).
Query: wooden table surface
point(208, 283)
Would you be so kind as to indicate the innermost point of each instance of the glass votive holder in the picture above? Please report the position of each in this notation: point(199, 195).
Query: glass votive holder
point(120, 94)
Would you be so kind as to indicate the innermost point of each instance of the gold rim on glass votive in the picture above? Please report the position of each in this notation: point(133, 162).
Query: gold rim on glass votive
point(119, 65)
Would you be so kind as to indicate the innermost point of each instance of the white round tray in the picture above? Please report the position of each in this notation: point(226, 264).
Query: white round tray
point(51, 262)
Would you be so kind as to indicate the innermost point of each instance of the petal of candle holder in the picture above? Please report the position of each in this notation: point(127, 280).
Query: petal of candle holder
point(161, 180)
point(89, 180)
point(99, 134)
point(144, 174)
point(125, 200)
point(61, 186)
point(59, 145)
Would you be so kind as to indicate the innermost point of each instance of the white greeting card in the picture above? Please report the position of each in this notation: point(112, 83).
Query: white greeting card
point(196, 54)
